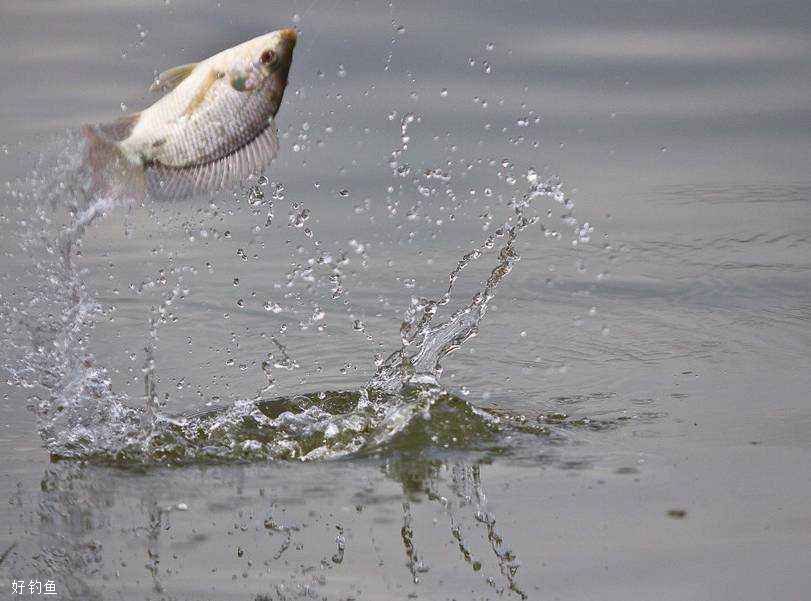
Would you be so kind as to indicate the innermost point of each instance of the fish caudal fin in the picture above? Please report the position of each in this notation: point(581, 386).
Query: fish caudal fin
point(112, 176)
point(172, 183)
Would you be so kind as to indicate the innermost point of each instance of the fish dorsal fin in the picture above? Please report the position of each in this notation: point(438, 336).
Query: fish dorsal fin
point(169, 79)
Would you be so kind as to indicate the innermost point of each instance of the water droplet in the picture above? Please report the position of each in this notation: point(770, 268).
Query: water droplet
point(443, 92)
point(272, 307)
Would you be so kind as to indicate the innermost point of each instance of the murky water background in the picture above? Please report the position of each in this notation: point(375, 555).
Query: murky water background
point(662, 365)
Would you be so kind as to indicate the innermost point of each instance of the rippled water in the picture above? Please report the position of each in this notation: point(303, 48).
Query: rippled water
point(623, 189)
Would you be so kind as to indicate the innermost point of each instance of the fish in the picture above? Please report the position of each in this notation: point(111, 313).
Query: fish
point(212, 129)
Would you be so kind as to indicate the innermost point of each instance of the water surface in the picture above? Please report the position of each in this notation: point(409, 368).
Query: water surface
point(663, 363)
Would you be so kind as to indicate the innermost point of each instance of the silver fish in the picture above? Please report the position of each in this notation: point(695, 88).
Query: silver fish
point(213, 128)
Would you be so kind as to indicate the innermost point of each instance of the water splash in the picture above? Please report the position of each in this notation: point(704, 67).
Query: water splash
point(424, 344)
point(82, 417)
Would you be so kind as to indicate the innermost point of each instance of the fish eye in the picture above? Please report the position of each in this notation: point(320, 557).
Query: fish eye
point(268, 57)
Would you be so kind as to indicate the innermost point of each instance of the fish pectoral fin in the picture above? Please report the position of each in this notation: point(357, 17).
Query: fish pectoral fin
point(169, 79)
point(211, 79)
point(251, 159)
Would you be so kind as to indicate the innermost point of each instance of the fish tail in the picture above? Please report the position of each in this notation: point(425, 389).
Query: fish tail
point(106, 179)
point(112, 176)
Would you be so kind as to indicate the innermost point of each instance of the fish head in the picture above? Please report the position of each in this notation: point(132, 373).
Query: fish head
point(264, 63)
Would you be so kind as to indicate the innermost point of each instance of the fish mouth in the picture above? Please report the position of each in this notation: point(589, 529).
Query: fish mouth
point(288, 36)
point(286, 41)
point(278, 78)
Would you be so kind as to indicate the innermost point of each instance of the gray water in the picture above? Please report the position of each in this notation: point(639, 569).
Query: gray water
point(661, 366)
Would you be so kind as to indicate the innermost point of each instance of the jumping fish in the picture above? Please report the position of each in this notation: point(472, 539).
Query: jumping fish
point(213, 128)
